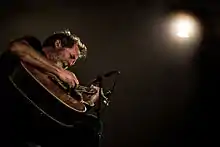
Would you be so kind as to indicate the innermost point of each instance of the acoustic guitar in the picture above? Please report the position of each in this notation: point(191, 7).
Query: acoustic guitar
point(47, 94)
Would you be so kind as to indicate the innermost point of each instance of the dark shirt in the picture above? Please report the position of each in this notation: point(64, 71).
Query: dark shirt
point(8, 62)
point(14, 112)
point(17, 114)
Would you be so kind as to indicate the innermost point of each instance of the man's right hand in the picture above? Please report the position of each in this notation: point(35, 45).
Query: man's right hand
point(68, 77)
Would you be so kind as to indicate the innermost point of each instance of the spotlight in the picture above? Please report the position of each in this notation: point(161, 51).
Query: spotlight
point(184, 26)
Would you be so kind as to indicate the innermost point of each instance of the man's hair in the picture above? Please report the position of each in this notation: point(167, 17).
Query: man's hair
point(67, 40)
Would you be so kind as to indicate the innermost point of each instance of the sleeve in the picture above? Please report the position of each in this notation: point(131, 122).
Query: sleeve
point(8, 62)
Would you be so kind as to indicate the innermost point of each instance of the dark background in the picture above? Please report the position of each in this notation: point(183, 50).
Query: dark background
point(164, 96)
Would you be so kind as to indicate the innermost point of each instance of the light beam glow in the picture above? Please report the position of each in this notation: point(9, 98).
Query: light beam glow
point(181, 32)
point(183, 25)
point(183, 29)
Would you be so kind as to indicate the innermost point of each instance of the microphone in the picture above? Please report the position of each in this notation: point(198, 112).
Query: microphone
point(108, 74)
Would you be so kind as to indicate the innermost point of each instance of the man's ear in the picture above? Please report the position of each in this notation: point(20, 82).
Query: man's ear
point(58, 44)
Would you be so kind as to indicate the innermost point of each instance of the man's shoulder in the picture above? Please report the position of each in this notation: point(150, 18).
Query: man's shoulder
point(9, 60)
point(32, 41)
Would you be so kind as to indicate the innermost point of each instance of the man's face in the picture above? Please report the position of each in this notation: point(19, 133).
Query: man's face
point(63, 56)
point(68, 56)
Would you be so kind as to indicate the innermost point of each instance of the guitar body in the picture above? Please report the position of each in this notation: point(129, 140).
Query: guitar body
point(47, 96)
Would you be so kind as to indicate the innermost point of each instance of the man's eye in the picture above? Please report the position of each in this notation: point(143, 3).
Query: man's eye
point(72, 56)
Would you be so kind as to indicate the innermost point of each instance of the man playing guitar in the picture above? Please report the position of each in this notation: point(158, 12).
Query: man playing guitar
point(58, 52)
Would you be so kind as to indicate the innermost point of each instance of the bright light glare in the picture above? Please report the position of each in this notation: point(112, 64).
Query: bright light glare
point(182, 33)
point(184, 26)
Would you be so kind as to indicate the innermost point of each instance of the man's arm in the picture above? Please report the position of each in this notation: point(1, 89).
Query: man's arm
point(26, 53)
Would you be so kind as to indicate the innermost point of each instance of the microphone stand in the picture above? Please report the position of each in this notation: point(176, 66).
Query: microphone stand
point(99, 105)
point(104, 97)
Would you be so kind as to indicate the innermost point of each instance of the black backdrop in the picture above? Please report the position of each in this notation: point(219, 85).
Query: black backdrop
point(161, 99)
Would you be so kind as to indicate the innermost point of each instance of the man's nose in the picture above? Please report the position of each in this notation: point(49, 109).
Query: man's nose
point(71, 62)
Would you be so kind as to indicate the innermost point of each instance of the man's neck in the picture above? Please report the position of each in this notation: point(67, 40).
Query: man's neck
point(47, 52)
